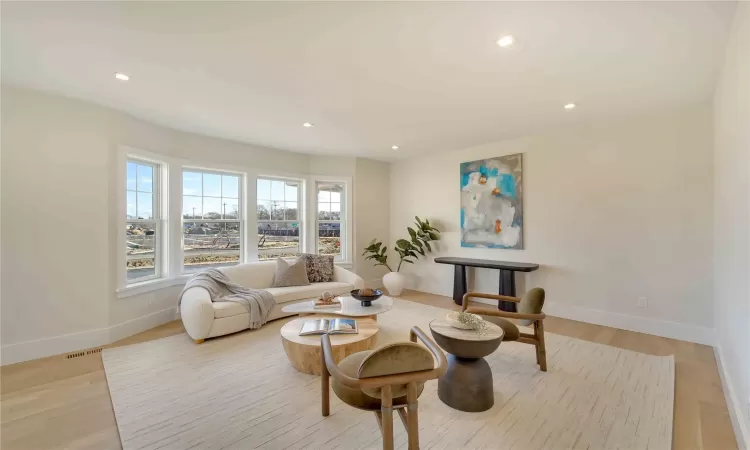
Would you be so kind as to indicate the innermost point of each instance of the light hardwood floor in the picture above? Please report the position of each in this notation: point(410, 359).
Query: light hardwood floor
point(64, 403)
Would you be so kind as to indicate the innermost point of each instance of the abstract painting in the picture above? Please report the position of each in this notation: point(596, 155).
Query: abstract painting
point(492, 202)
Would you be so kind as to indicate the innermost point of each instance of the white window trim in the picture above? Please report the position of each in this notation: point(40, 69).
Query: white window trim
point(171, 242)
point(302, 208)
point(242, 219)
point(160, 205)
point(347, 259)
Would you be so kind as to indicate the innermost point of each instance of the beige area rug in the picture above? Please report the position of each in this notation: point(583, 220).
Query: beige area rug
point(240, 392)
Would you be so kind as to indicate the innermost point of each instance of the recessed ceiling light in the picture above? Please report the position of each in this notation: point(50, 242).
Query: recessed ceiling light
point(121, 76)
point(395, 147)
point(506, 41)
point(570, 106)
point(307, 125)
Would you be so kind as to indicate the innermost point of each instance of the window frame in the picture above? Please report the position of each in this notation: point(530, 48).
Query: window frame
point(301, 211)
point(343, 231)
point(240, 205)
point(345, 257)
point(159, 185)
point(167, 187)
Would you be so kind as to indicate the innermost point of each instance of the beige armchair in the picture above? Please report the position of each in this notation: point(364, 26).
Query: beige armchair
point(381, 380)
point(529, 313)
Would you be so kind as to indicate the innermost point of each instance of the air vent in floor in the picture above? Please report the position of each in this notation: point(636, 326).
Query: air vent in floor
point(83, 353)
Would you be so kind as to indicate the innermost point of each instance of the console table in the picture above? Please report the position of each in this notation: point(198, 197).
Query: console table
point(507, 285)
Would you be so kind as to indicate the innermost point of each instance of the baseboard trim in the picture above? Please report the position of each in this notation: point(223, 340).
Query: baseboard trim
point(657, 327)
point(734, 403)
point(42, 348)
point(141, 324)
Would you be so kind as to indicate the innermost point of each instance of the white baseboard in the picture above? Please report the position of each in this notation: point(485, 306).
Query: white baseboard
point(657, 327)
point(734, 403)
point(41, 348)
point(141, 324)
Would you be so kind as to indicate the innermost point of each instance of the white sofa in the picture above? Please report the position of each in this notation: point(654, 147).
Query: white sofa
point(204, 319)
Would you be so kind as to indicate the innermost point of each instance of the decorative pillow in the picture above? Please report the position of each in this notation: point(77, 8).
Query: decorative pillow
point(319, 268)
point(290, 274)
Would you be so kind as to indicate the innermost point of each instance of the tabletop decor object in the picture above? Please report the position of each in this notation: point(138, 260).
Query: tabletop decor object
point(366, 296)
point(466, 321)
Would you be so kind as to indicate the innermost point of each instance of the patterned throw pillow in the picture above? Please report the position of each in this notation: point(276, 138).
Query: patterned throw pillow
point(319, 268)
point(290, 274)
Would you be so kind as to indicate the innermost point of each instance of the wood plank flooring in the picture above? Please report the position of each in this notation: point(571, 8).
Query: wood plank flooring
point(60, 403)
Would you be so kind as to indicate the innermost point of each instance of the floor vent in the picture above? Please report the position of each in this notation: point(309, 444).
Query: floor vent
point(84, 353)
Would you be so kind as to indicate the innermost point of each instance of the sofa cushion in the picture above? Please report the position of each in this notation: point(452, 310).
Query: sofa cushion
point(284, 295)
point(319, 267)
point(290, 273)
point(258, 275)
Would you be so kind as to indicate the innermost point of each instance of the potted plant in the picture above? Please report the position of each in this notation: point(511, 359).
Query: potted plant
point(408, 251)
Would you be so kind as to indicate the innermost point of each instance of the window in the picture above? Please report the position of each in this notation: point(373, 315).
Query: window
point(331, 219)
point(279, 218)
point(142, 230)
point(211, 220)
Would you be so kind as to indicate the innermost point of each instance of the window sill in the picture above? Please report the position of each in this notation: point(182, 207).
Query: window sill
point(154, 285)
point(150, 286)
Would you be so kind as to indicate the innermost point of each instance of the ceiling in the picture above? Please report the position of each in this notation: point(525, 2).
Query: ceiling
point(424, 76)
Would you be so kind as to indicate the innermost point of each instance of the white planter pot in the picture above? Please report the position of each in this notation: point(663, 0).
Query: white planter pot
point(394, 282)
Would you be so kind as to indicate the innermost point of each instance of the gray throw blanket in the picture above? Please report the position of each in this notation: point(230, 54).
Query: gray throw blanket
point(257, 301)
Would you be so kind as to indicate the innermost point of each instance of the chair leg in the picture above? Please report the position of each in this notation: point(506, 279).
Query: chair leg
point(404, 418)
point(412, 418)
point(386, 410)
point(542, 352)
point(325, 399)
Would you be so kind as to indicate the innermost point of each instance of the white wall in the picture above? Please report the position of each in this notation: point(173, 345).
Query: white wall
point(54, 192)
point(371, 213)
point(732, 223)
point(613, 211)
point(59, 177)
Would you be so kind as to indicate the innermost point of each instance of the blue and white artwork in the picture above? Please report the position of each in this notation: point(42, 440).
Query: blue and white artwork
point(492, 202)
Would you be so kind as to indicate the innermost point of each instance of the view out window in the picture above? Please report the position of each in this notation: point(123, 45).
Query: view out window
point(211, 220)
point(331, 220)
point(279, 218)
point(142, 227)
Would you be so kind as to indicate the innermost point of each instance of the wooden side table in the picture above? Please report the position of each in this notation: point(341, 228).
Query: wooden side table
point(467, 385)
point(304, 351)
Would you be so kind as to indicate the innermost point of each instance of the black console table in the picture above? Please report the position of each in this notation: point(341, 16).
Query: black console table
point(507, 269)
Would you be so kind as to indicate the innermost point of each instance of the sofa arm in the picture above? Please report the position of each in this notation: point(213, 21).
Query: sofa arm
point(197, 312)
point(345, 276)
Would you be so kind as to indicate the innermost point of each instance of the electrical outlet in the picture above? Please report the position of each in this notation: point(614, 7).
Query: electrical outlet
point(642, 302)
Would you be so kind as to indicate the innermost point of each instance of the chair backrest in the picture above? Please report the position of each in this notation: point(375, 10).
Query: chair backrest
point(531, 303)
point(392, 359)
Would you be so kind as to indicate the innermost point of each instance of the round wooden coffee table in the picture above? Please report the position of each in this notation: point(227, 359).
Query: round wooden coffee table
point(467, 384)
point(304, 351)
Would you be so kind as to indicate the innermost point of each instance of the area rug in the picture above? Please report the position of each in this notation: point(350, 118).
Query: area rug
point(241, 392)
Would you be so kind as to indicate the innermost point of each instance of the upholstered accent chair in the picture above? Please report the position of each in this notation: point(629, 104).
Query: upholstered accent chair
point(381, 380)
point(529, 313)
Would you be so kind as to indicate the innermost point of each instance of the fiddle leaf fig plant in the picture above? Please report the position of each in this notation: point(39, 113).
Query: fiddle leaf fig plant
point(408, 250)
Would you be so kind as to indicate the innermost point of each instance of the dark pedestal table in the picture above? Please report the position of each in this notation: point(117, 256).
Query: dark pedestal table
point(467, 384)
point(507, 285)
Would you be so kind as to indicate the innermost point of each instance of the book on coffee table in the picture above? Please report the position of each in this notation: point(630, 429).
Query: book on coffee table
point(329, 326)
